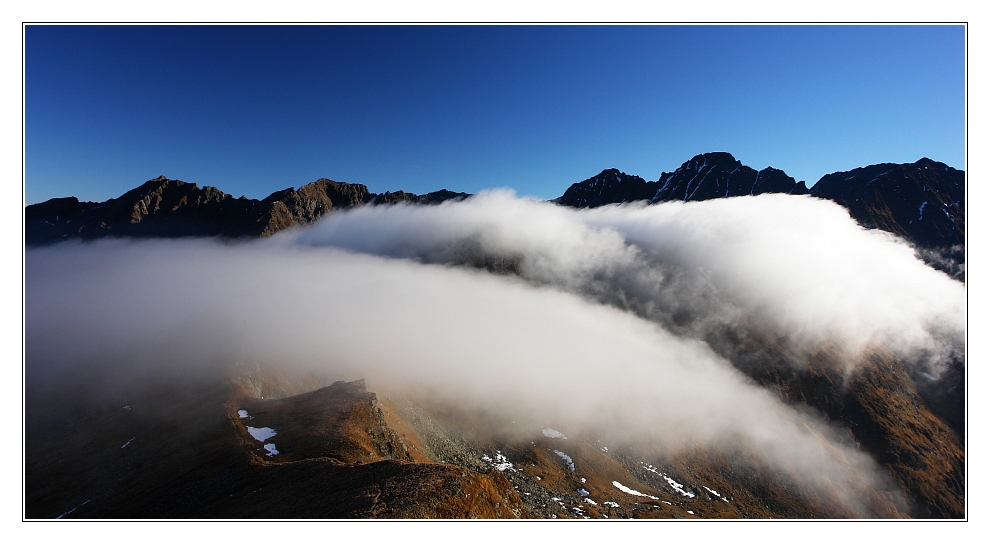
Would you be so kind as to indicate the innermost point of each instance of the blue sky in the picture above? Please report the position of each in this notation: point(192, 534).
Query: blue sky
point(252, 110)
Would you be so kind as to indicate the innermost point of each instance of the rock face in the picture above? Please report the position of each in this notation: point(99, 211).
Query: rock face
point(172, 208)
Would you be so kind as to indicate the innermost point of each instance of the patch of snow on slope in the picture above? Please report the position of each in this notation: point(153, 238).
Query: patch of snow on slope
point(262, 434)
point(242, 414)
point(500, 463)
point(551, 433)
point(716, 493)
point(679, 487)
point(625, 489)
point(567, 459)
point(271, 449)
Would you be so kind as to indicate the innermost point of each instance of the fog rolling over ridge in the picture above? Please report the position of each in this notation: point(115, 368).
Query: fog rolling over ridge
point(597, 319)
point(794, 267)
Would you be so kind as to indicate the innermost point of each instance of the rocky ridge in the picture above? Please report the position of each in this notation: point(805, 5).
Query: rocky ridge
point(169, 208)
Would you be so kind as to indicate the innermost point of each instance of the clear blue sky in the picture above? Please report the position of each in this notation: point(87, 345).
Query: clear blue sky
point(252, 110)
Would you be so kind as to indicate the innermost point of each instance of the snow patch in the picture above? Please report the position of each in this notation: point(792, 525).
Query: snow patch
point(583, 492)
point(679, 487)
point(716, 493)
point(128, 442)
point(567, 459)
point(242, 414)
point(552, 433)
point(262, 434)
point(630, 491)
point(271, 449)
point(611, 504)
point(500, 463)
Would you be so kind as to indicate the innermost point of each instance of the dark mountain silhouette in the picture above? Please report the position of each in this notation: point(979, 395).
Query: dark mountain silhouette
point(720, 175)
point(923, 202)
point(707, 176)
point(609, 187)
point(169, 208)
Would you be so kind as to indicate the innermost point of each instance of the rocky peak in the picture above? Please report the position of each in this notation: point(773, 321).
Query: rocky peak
point(609, 187)
point(719, 175)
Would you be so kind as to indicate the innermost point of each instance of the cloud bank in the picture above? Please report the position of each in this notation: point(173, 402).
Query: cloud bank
point(797, 267)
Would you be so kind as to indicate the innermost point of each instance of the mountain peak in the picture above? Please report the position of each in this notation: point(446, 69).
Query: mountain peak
point(717, 175)
point(608, 187)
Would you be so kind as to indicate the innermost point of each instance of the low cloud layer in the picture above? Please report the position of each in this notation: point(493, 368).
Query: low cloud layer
point(596, 322)
point(797, 267)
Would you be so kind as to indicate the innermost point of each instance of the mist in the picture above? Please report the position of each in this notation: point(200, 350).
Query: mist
point(584, 320)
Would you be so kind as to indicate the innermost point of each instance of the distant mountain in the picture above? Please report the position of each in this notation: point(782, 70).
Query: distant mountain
point(170, 208)
point(609, 187)
point(706, 176)
point(923, 202)
point(720, 175)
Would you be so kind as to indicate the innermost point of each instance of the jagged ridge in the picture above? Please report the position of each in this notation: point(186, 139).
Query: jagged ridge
point(169, 208)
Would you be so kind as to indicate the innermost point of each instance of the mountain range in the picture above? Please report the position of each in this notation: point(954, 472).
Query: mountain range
point(922, 202)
